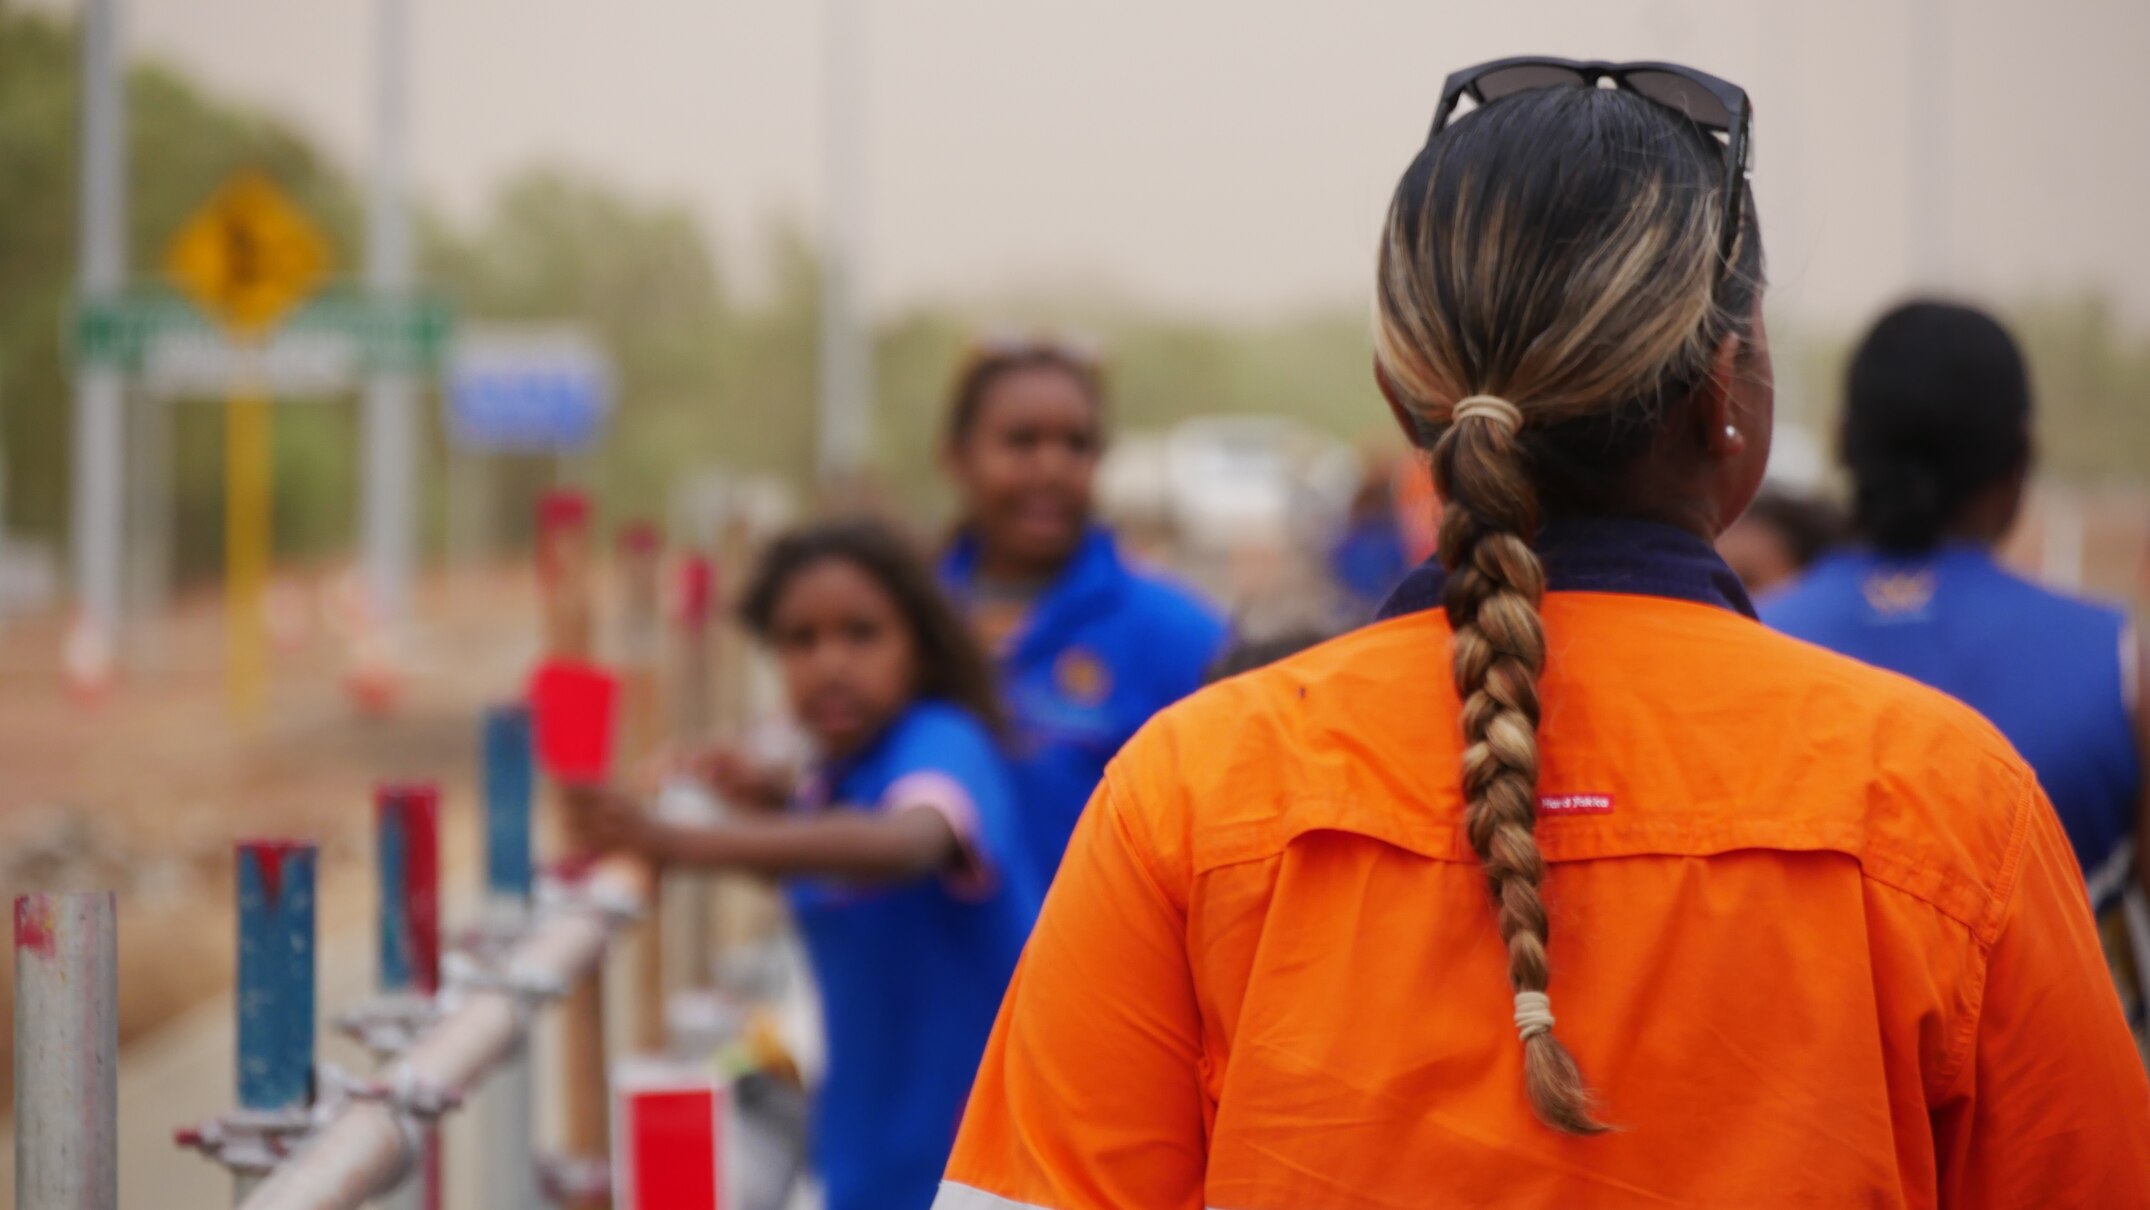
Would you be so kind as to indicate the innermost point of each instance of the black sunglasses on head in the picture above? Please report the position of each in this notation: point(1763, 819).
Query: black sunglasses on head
point(1717, 106)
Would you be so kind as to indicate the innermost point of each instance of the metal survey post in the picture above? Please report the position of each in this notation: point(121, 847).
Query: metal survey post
point(686, 895)
point(641, 611)
point(247, 257)
point(509, 1118)
point(276, 1004)
point(566, 583)
point(407, 841)
point(66, 1051)
point(510, 789)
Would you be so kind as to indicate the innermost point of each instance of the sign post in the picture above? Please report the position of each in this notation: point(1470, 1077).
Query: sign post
point(100, 479)
point(247, 257)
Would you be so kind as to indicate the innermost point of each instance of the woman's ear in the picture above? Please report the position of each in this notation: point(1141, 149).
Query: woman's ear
point(1715, 415)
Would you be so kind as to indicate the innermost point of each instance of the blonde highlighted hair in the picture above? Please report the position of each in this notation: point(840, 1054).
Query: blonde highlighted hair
point(1557, 251)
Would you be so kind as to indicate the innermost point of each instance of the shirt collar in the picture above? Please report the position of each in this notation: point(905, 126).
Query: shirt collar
point(1604, 554)
point(1093, 576)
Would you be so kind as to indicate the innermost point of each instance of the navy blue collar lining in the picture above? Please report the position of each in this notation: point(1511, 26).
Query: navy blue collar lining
point(1605, 554)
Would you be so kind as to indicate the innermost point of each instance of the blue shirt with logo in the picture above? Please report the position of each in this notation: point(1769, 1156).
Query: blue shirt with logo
point(911, 975)
point(2050, 671)
point(1103, 649)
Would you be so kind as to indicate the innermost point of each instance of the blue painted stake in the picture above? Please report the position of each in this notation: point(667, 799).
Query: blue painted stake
point(276, 974)
point(407, 836)
point(510, 788)
point(406, 823)
point(510, 1114)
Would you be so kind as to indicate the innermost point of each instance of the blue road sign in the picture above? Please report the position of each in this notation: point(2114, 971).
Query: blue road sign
point(527, 393)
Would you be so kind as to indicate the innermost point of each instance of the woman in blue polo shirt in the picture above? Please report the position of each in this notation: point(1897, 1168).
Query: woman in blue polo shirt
point(1937, 437)
point(1088, 647)
point(900, 849)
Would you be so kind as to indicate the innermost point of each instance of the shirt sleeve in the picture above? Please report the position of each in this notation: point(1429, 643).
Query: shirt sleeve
point(2051, 1106)
point(1090, 1096)
point(950, 768)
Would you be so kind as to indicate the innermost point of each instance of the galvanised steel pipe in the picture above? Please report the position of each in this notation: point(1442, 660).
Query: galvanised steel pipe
point(66, 1052)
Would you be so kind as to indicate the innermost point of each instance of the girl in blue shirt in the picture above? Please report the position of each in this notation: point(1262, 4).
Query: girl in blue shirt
point(1088, 647)
point(897, 850)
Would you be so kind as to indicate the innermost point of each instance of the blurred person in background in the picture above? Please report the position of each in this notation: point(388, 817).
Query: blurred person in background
point(1088, 646)
point(900, 850)
point(1780, 535)
point(1368, 556)
point(1817, 936)
point(1936, 434)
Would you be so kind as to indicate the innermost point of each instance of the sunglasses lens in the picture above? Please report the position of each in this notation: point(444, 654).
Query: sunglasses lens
point(1508, 81)
point(1687, 96)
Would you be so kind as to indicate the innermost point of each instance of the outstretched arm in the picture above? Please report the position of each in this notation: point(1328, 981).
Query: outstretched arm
point(899, 844)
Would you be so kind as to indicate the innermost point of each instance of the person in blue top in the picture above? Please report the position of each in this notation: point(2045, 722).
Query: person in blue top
point(1936, 435)
point(1368, 559)
point(1088, 647)
point(899, 849)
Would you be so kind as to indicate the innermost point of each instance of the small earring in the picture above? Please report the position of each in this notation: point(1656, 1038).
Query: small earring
point(1731, 432)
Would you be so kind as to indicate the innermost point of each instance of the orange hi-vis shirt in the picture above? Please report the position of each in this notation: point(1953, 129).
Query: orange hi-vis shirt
point(1817, 940)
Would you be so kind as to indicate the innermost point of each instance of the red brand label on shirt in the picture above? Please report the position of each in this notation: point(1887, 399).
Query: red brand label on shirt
point(1575, 804)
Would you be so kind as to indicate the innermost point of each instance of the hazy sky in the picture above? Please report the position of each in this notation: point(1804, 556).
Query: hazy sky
point(1226, 156)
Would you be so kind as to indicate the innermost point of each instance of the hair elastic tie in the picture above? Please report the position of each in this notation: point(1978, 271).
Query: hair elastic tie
point(1488, 407)
point(1533, 1014)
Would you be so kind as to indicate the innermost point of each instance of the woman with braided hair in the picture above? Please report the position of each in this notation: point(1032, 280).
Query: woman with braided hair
point(1813, 931)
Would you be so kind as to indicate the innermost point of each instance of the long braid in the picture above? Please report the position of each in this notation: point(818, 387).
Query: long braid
point(1550, 298)
point(1495, 582)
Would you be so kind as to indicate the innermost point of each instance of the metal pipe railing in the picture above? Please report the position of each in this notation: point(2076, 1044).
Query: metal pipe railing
point(66, 1051)
point(370, 1144)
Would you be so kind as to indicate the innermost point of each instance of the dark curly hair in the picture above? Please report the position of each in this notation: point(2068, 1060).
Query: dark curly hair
point(951, 664)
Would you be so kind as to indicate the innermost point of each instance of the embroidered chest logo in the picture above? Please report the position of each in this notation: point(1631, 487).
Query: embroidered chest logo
point(1896, 593)
point(1081, 677)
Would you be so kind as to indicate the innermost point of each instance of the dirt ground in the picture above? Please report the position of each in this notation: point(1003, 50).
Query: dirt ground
point(145, 791)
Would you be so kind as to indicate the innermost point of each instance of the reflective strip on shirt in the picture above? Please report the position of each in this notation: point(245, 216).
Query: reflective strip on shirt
point(963, 1197)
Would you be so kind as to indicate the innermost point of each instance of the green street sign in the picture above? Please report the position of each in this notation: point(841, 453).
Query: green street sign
point(407, 335)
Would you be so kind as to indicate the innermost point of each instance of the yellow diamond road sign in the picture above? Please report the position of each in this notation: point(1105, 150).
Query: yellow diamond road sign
point(249, 255)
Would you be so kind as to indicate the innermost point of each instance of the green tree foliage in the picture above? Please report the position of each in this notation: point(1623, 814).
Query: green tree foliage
point(181, 145)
